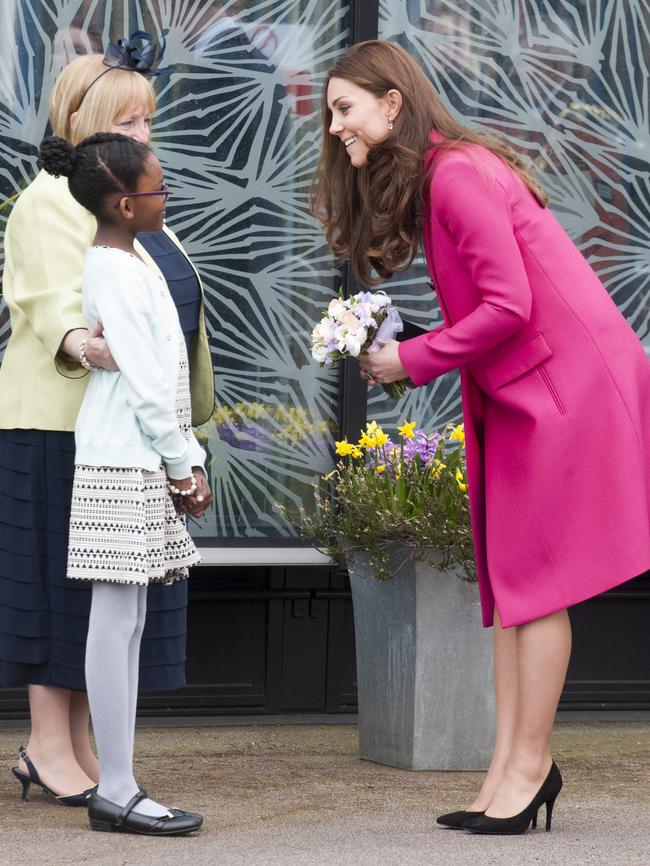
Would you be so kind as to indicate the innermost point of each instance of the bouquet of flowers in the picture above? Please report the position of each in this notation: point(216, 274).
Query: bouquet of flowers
point(411, 490)
point(355, 326)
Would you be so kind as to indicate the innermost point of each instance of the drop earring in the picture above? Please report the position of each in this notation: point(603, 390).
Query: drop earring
point(390, 123)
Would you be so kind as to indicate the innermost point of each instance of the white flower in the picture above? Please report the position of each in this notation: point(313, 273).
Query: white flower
point(324, 331)
point(350, 319)
point(336, 309)
point(379, 301)
point(363, 313)
point(355, 341)
point(319, 353)
point(341, 336)
point(350, 340)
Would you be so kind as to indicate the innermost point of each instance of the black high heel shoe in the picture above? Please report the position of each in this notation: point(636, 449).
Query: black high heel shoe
point(456, 820)
point(33, 779)
point(547, 794)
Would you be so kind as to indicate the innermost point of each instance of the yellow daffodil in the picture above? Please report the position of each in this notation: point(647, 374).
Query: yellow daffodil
point(381, 438)
point(437, 468)
point(406, 430)
point(459, 475)
point(371, 427)
point(367, 441)
point(381, 468)
point(462, 487)
point(348, 449)
point(344, 448)
point(458, 433)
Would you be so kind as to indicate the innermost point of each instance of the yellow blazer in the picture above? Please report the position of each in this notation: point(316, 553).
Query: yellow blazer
point(47, 235)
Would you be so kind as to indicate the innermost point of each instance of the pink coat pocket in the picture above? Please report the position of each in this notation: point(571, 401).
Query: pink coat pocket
point(517, 362)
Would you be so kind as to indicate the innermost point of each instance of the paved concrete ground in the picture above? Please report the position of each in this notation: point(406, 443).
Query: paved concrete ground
point(295, 795)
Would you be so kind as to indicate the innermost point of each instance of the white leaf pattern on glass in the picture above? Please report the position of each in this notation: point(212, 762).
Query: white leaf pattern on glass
point(238, 132)
point(566, 82)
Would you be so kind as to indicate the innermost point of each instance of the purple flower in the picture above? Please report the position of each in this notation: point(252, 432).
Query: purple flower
point(425, 446)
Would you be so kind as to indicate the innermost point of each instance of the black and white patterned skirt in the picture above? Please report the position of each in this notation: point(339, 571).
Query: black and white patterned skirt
point(123, 524)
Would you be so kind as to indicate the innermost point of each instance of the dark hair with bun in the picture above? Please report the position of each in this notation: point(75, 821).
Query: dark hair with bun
point(97, 167)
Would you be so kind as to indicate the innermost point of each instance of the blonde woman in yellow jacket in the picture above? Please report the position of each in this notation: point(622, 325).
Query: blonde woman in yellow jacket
point(44, 617)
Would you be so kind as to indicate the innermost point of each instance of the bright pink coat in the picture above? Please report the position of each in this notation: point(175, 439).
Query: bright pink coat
point(556, 394)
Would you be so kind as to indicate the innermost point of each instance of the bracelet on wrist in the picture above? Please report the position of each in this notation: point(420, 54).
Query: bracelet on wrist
point(83, 360)
point(176, 491)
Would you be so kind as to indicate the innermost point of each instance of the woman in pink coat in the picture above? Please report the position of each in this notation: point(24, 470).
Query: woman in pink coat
point(555, 385)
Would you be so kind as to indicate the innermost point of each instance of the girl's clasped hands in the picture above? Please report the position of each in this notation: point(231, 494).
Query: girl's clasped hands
point(196, 503)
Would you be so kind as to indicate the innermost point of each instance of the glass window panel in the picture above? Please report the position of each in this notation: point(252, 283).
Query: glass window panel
point(566, 82)
point(237, 130)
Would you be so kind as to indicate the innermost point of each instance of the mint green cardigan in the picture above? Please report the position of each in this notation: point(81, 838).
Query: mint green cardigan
point(128, 416)
point(46, 237)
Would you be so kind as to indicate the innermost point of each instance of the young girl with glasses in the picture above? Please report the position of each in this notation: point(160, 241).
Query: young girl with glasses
point(135, 450)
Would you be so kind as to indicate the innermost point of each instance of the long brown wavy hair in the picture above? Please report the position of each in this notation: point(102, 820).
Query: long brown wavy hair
point(372, 214)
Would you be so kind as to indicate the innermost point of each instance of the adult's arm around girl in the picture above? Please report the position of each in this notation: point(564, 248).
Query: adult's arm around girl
point(50, 231)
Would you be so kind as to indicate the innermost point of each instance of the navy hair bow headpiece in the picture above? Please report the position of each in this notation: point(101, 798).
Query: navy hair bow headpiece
point(127, 54)
point(137, 56)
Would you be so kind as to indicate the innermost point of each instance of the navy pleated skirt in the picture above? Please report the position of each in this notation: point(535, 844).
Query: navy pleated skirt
point(43, 615)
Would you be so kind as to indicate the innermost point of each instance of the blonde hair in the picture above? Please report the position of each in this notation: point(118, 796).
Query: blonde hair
point(114, 94)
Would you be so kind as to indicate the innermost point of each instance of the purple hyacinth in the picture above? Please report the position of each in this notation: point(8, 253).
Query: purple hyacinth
point(425, 446)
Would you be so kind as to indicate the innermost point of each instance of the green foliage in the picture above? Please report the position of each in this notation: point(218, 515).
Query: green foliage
point(413, 492)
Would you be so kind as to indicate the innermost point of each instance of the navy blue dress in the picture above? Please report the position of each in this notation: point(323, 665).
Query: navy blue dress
point(43, 615)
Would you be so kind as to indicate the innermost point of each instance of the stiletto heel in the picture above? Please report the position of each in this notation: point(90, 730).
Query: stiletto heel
point(34, 779)
point(25, 781)
point(549, 812)
point(546, 795)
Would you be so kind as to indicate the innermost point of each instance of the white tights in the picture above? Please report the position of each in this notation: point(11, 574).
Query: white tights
point(117, 617)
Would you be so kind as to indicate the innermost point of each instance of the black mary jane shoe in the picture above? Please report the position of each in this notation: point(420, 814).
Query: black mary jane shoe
point(456, 820)
point(517, 824)
point(32, 778)
point(109, 817)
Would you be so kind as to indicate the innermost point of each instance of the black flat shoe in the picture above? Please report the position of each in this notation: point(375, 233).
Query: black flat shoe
point(456, 820)
point(517, 824)
point(34, 779)
point(109, 817)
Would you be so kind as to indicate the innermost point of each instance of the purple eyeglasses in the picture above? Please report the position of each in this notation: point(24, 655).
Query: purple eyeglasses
point(164, 191)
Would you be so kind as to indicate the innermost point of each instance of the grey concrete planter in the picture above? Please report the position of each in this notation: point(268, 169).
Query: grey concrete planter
point(424, 668)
